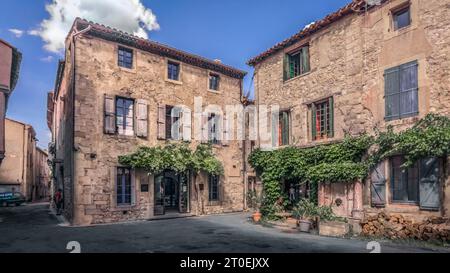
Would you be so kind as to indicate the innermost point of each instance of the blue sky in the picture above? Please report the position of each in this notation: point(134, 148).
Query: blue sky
point(233, 31)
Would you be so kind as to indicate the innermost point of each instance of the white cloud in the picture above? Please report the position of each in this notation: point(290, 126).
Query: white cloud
point(17, 32)
point(127, 15)
point(47, 59)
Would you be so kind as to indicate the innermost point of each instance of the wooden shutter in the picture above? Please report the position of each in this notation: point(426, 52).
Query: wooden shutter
point(378, 186)
point(286, 69)
point(133, 187)
point(187, 124)
point(285, 128)
point(305, 60)
point(331, 121)
point(141, 118)
point(176, 128)
point(429, 184)
point(226, 130)
point(275, 133)
point(313, 122)
point(205, 128)
point(392, 93)
point(110, 115)
point(161, 121)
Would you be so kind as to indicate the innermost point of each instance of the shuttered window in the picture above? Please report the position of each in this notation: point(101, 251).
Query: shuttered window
point(125, 116)
point(322, 123)
point(378, 186)
point(214, 129)
point(124, 187)
point(296, 63)
point(401, 91)
point(281, 128)
point(213, 188)
point(141, 118)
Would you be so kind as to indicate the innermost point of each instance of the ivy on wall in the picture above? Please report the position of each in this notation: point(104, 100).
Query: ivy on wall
point(348, 160)
point(176, 157)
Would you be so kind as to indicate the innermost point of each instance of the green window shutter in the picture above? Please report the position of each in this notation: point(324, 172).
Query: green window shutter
point(305, 60)
point(313, 122)
point(331, 121)
point(285, 128)
point(286, 67)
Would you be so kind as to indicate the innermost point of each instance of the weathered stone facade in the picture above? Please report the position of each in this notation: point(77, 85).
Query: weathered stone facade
point(348, 59)
point(90, 169)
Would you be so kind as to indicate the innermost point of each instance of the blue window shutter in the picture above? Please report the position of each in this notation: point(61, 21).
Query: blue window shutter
point(392, 93)
point(331, 121)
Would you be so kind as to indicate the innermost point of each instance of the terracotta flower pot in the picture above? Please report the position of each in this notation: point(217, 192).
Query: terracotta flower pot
point(257, 216)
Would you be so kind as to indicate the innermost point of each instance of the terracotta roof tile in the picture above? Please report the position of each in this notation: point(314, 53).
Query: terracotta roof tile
point(112, 34)
point(354, 6)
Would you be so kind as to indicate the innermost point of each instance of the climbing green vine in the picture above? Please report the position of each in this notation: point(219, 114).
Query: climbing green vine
point(348, 160)
point(175, 157)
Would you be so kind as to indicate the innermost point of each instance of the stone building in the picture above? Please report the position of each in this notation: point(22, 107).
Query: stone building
point(10, 59)
point(360, 68)
point(115, 92)
point(41, 185)
point(17, 173)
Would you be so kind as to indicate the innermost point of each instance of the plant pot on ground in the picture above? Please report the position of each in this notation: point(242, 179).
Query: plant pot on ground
point(255, 201)
point(304, 211)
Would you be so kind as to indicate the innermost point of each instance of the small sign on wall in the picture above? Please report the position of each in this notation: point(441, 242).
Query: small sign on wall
point(144, 187)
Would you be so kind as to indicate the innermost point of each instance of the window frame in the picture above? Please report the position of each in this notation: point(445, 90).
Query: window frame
point(125, 63)
point(392, 182)
point(168, 71)
point(123, 183)
point(396, 14)
point(214, 182)
point(218, 83)
point(329, 132)
point(280, 128)
point(303, 68)
point(124, 117)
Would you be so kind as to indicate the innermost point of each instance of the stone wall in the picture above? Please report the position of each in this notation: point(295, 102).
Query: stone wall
point(348, 60)
point(96, 156)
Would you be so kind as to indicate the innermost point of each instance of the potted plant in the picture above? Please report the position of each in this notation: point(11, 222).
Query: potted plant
point(305, 211)
point(255, 202)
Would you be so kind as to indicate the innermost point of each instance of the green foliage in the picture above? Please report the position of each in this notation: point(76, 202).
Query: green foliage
point(348, 160)
point(306, 209)
point(175, 157)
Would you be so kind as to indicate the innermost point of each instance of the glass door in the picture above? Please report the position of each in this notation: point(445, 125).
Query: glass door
point(159, 195)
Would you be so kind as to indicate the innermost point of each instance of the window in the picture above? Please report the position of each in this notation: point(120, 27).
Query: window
point(405, 181)
point(213, 187)
point(172, 133)
point(401, 91)
point(213, 129)
point(280, 131)
point(296, 63)
point(322, 124)
point(125, 57)
point(402, 18)
point(125, 116)
point(214, 81)
point(124, 188)
point(173, 71)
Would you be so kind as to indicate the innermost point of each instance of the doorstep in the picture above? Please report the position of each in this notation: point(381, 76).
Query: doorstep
point(170, 216)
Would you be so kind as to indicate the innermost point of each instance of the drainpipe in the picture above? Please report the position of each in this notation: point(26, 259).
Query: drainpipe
point(73, 149)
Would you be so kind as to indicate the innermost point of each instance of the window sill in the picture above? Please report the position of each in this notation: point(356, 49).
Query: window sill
point(404, 117)
point(214, 91)
point(129, 70)
point(122, 136)
point(296, 77)
point(174, 82)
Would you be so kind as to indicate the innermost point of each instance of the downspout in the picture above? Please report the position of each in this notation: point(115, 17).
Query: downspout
point(244, 150)
point(73, 149)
